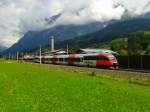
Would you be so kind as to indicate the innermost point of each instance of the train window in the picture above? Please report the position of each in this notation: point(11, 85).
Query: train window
point(48, 59)
point(104, 58)
point(54, 59)
point(112, 58)
point(60, 59)
point(73, 59)
point(77, 59)
point(66, 59)
point(86, 58)
point(95, 58)
point(91, 58)
point(81, 59)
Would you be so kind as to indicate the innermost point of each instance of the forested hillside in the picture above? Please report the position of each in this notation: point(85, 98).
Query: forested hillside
point(137, 43)
point(103, 37)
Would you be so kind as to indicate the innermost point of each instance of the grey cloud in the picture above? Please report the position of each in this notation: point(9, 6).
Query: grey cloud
point(19, 16)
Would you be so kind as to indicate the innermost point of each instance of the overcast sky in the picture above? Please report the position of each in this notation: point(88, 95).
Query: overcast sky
point(19, 16)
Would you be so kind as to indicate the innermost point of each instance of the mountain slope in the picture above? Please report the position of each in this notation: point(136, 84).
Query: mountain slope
point(108, 33)
point(2, 48)
point(33, 39)
point(64, 35)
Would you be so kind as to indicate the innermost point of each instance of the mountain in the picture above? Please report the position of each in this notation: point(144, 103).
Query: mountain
point(147, 15)
point(77, 37)
point(108, 33)
point(51, 20)
point(2, 48)
point(33, 39)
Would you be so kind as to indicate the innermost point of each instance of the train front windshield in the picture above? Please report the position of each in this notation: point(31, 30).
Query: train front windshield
point(113, 58)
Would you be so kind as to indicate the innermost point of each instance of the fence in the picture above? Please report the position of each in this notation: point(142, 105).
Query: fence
point(135, 62)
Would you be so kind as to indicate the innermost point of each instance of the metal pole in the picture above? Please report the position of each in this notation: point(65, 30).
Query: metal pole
point(9, 56)
point(22, 56)
point(67, 49)
point(12, 57)
point(52, 44)
point(17, 56)
point(40, 54)
point(141, 62)
point(128, 61)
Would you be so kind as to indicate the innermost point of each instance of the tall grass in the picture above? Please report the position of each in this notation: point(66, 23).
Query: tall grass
point(35, 88)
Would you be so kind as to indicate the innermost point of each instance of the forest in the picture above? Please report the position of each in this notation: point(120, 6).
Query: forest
point(137, 43)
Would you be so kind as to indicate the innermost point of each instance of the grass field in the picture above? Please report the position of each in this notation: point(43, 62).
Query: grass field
point(35, 88)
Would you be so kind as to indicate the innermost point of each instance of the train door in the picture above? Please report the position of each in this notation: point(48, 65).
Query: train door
point(90, 60)
point(86, 60)
point(81, 63)
point(78, 61)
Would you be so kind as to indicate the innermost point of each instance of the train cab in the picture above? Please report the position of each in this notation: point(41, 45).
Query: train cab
point(100, 60)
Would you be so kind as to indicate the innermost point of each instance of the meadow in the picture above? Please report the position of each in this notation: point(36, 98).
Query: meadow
point(39, 88)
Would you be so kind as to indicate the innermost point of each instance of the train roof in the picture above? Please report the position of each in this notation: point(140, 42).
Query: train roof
point(89, 51)
point(78, 55)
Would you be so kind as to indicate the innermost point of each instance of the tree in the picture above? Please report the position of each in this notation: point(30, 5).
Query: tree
point(123, 52)
point(0, 55)
point(134, 45)
point(119, 45)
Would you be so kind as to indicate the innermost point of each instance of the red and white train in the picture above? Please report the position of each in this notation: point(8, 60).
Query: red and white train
point(91, 60)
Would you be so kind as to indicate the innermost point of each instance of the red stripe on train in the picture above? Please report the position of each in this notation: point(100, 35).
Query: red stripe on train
point(70, 57)
point(104, 63)
point(71, 63)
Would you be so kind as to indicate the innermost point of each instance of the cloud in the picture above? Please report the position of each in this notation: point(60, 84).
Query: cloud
point(19, 16)
point(90, 11)
point(136, 7)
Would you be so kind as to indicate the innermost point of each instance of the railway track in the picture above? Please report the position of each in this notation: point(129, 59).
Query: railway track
point(131, 72)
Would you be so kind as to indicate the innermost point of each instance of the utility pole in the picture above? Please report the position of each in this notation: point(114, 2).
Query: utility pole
point(22, 56)
point(67, 49)
point(40, 54)
point(9, 56)
point(12, 57)
point(50, 49)
point(17, 56)
point(52, 44)
point(141, 59)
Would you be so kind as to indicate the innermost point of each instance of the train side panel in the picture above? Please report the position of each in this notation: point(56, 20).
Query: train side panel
point(92, 60)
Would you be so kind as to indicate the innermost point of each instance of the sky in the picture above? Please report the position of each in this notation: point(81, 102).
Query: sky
point(20, 16)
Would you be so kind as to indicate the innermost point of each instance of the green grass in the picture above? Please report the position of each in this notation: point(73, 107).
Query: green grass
point(35, 88)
